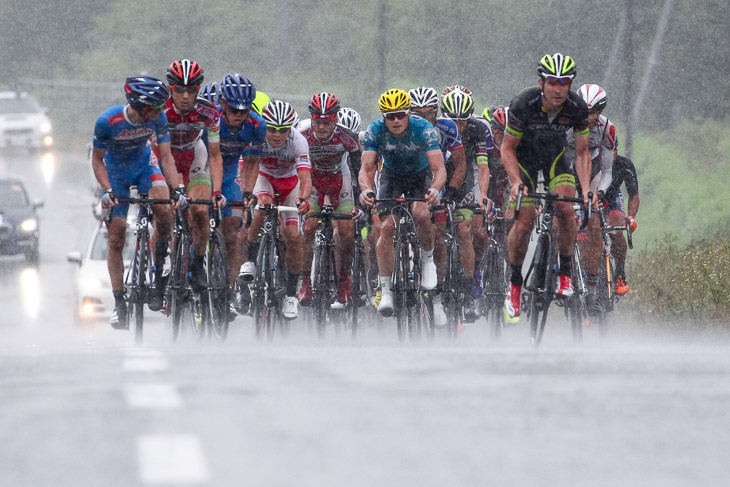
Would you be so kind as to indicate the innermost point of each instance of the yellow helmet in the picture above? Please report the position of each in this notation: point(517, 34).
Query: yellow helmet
point(394, 99)
point(260, 101)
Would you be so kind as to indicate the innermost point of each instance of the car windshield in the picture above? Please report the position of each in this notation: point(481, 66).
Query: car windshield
point(101, 242)
point(12, 195)
point(18, 105)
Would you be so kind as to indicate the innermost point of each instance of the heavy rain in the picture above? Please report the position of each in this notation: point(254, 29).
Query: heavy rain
point(224, 386)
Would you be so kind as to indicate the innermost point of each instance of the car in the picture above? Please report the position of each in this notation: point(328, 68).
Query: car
point(92, 289)
point(19, 228)
point(23, 122)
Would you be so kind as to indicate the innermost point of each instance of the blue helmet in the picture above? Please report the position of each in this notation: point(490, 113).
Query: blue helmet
point(145, 91)
point(238, 91)
point(210, 92)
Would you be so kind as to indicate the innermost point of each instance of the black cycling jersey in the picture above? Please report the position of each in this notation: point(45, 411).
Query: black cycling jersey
point(624, 171)
point(543, 139)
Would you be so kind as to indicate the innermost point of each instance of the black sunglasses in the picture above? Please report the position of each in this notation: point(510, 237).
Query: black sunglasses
point(395, 116)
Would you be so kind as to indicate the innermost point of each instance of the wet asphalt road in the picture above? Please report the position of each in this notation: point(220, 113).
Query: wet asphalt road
point(85, 406)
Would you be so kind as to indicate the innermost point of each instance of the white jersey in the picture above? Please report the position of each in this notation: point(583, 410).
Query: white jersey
point(285, 161)
point(602, 143)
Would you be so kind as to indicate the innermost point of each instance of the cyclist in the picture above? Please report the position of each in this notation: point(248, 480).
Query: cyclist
point(122, 157)
point(623, 172)
point(189, 116)
point(476, 135)
point(413, 165)
point(601, 146)
point(285, 171)
point(242, 136)
point(534, 140)
point(425, 103)
point(330, 147)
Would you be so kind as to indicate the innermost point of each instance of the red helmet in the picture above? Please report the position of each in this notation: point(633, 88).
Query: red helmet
point(324, 105)
point(184, 73)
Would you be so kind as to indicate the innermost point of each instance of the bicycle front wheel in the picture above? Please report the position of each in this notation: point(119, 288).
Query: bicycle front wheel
point(177, 286)
point(139, 289)
point(218, 296)
point(540, 286)
point(400, 288)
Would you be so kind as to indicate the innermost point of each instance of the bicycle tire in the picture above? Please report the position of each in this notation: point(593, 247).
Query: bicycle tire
point(400, 289)
point(541, 292)
point(494, 289)
point(177, 284)
point(358, 291)
point(139, 286)
point(604, 295)
point(320, 287)
point(451, 290)
point(415, 296)
point(575, 306)
point(218, 296)
point(260, 298)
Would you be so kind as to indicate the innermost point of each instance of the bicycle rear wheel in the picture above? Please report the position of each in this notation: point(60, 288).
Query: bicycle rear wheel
point(575, 306)
point(262, 284)
point(218, 296)
point(451, 290)
point(320, 287)
point(359, 285)
point(139, 287)
point(494, 292)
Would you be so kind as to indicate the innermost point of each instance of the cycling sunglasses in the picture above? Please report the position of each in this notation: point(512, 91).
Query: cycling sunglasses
point(390, 116)
point(562, 81)
point(191, 90)
point(237, 111)
point(273, 129)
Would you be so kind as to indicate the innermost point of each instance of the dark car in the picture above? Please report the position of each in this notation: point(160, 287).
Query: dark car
point(19, 233)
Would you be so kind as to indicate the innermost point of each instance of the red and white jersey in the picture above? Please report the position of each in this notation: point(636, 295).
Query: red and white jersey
point(187, 128)
point(602, 136)
point(285, 161)
point(328, 155)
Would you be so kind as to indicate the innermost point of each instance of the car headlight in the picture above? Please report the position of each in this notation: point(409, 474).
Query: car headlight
point(29, 225)
point(45, 127)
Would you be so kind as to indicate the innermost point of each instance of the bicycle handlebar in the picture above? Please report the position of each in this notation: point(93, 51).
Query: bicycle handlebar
point(145, 201)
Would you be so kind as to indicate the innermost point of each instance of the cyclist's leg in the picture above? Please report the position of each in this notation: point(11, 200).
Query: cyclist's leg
point(562, 181)
point(616, 216)
point(518, 240)
point(294, 253)
point(155, 186)
point(232, 220)
point(344, 236)
point(264, 192)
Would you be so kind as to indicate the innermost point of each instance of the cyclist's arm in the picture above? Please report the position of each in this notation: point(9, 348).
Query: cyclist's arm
point(366, 177)
point(606, 169)
point(215, 160)
point(97, 164)
point(249, 172)
point(305, 183)
point(582, 164)
point(509, 159)
point(436, 163)
point(633, 205)
point(167, 163)
point(459, 158)
point(483, 176)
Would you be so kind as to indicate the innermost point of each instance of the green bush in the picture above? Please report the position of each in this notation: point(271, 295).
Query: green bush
point(682, 284)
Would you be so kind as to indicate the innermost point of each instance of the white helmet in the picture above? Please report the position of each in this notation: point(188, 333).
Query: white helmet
point(594, 96)
point(423, 97)
point(349, 118)
point(278, 113)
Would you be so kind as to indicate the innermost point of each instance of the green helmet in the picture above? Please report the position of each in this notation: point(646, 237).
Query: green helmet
point(457, 104)
point(556, 66)
point(260, 101)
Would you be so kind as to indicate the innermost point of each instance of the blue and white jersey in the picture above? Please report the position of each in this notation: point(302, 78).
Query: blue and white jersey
point(449, 137)
point(125, 142)
point(249, 141)
point(405, 154)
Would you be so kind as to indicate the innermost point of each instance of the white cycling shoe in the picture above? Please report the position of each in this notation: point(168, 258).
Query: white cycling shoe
point(248, 270)
point(290, 307)
point(385, 307)
point(439, 315)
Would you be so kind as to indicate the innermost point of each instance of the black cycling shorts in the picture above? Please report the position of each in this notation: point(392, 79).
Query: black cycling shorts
point(394, 185)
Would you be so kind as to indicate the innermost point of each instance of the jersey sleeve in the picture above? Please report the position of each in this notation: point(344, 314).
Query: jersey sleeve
point(517, 117)
point(370, 140)
point(301, 151)
point(256, 147)
point(580, 121)
point(162, 129)
point(632, 183)
point(431, 139)
point(102, 133)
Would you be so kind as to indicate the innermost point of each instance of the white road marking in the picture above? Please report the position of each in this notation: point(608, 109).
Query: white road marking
point(145, 364)
point(174, 459)
point(152, 396)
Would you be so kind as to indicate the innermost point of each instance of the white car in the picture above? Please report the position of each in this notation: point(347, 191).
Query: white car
point(92, 288)
point(23, 123)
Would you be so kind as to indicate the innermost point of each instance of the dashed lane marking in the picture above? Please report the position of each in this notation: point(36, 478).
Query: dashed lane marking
point(152, 396)
point(174, 459)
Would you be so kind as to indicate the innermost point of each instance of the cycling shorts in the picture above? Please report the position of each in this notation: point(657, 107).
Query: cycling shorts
point(286, 188)
point(338, 186)
point(192, 163)
point(617, 204)
point(558, 173)
point(144, 173)
point(231, 189)
point(393, 185)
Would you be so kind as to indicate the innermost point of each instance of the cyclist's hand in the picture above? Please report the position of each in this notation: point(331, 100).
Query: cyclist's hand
point(179, 197)
point(632, 223)
point(367, 198)
point(358, 214)
point(303, 206)
point(514, 192)
point(432, 196)
point(488, 207)
point(109, 198)
point(219, 201)
point(593, 202)
point(249, 199)
point(450, 194)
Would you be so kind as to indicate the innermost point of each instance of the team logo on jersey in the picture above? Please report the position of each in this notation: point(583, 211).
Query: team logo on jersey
point(134, 133)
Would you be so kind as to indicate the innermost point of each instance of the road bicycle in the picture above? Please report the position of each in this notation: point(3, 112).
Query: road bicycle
point(138, 279)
